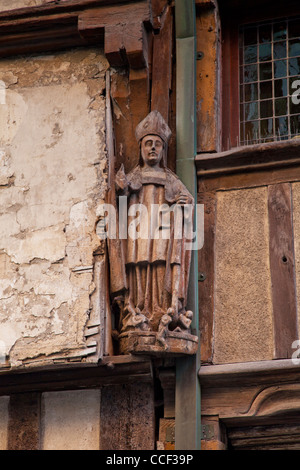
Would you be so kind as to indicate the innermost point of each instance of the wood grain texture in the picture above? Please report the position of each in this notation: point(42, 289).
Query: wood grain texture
point(127, 417)
point(162, 67)
point(282, 265)
point(206, 263)
point(112, 370)
point(24, 422)
point(208, 72)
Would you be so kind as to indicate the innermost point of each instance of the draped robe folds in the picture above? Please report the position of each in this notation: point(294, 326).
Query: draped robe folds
point(151, 251)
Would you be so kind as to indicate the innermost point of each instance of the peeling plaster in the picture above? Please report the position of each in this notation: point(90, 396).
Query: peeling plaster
point(53, 172)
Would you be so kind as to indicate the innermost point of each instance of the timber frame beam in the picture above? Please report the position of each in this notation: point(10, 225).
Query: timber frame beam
point(78, 23)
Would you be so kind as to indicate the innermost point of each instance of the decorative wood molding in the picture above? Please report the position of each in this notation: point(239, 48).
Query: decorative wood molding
point(276, 399)
point(251, 393)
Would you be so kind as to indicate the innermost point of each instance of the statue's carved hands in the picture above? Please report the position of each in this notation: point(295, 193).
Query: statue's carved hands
point(183, 199)
point(121, 180)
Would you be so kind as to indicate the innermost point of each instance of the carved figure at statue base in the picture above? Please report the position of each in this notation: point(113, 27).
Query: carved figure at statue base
point(151, 269)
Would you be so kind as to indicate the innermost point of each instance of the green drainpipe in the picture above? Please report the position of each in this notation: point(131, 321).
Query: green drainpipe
point(188, 411)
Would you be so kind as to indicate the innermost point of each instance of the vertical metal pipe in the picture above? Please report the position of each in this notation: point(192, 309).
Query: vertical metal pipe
point(188, 410)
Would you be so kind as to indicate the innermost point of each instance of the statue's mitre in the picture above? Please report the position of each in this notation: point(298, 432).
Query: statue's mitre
point(153, 124)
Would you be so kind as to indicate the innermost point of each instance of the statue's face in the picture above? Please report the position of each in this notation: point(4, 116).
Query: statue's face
point(152, 150)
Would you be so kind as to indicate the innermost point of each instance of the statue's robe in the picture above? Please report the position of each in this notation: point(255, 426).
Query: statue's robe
point(151, 255)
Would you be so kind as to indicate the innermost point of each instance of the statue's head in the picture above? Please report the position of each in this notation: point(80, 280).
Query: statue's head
point(155, 129)
point(152, 149)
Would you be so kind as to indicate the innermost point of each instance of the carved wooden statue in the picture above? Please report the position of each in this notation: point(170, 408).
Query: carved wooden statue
point(156, 262)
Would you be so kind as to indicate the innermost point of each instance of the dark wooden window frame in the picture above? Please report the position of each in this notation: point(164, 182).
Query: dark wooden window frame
point(231, 19)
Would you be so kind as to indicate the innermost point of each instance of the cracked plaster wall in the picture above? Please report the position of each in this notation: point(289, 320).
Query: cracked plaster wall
point(14, 4)
point(52, 179)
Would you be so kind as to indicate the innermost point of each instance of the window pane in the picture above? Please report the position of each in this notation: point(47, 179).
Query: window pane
point(265, 33)
point(295, 104)
point(250, 54)
point(279, 31)
point(279, 50)
point(280, 68)
point(251, 111)
point(280, 87)
point(265, 71)
point(250, 73)
point(281, 107)
point(281, 126)
point(250, 36)
point(294, 29)
point(295, 125)
point(266, 128)
point(266, 90)
point(242, 132)
point(294, 66)
point(251, 131)
point(251, 92)
point(266, 108)
point(270, 79)
point(265, 52)
point(294, 48)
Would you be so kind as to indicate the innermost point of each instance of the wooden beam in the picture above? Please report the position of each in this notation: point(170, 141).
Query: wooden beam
point(257, 156)
point(157, 9)
point(162, 66)
point(249, 373)
point(127, 417)
point(24, 422)
point(282, 266)
point(250, 179)
point(78, 23)
point(130, 97)
point(206, 264)
point(125, 37)
point(55, 6)
point(112, 370)
point(207, 78)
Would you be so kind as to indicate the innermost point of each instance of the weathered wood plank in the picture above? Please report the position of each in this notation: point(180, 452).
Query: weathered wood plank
point(208, 71)
point(127, 417)
point(24, 422)
point(157, 9)
point(282, 265)
point(206, 277)
point(130, 97)
point(114, 370)
point(54, 6)
point(249, 179)
point(162, 67)
point(262, 156)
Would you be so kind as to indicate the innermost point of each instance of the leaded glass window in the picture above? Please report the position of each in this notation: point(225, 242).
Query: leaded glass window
point(269, 81)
